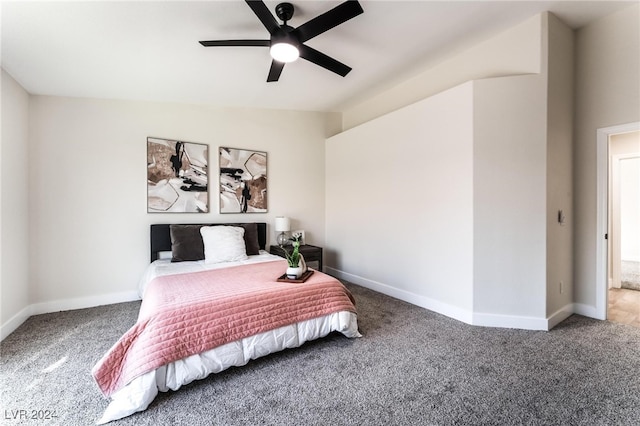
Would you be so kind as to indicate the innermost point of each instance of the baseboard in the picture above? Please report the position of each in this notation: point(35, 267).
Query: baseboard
point(464, 315)
point(560, 315)
point(83, 302)
point(586, 311)
point(407, 296)
point(14, 322)
point(509, 321)
point(65, 305)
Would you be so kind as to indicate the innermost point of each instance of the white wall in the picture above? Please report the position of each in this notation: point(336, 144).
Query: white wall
point(87, 164)
point(522, 177)
point(512, 52)
point(399, 197)
point(510, 198)
point(607, 94)
point(443, 203)
point(14, 213)
point(519, 174)
point(560, 113)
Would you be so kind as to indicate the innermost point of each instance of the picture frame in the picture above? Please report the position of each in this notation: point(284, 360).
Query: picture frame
point(303, 240)
point(243, 180)
point(177, 176)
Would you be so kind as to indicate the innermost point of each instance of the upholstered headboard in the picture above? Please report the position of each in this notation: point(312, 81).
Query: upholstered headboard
point(161, 236)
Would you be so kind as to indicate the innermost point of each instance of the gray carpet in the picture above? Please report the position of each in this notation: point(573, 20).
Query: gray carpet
point(630, 275)
point(412, 367)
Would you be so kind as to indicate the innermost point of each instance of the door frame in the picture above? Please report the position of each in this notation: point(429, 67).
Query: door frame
point(602, 217)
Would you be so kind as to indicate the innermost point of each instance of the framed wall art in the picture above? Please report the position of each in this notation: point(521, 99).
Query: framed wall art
point(243, 181)
point(177, 176)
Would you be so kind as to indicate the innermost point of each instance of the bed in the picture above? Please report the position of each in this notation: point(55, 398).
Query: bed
point(211, 300)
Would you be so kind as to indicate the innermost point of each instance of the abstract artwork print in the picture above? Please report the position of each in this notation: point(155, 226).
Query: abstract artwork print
point(243, 181)
point(177, 176)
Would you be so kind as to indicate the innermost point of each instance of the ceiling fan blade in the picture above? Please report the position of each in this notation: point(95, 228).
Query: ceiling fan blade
point(319, 58)
point(209, 43)
point(321, 23)
point(263, 14)
point(275, 71)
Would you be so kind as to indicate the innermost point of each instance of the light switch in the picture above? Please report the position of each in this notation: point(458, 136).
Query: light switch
point(561, 217)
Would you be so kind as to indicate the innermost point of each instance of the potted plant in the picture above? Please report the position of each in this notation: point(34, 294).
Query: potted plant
point(295, 260)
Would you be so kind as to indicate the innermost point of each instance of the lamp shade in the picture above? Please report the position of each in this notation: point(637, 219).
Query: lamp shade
point(283, 224)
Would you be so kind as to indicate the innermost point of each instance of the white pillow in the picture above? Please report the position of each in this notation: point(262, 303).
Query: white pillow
point(223, 244)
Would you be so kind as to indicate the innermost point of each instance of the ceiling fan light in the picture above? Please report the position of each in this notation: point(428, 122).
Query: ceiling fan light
point(284, 52)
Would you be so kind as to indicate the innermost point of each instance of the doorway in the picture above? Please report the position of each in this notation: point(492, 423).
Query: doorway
point(624, 210)
point(618, 149)
point(618, 223)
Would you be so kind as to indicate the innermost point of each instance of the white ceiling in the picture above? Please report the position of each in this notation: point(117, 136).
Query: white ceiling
point(149, 50)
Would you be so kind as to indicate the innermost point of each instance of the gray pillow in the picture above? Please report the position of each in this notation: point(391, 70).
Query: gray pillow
point(186, 243)
point(251, 238)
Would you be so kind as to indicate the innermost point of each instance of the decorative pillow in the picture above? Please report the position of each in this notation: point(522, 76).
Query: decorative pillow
point(223, 243)
point(186, 243)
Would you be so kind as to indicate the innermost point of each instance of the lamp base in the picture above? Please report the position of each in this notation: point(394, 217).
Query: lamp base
point(282, 239)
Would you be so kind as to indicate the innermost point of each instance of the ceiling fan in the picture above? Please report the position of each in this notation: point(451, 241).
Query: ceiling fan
point(287, 43)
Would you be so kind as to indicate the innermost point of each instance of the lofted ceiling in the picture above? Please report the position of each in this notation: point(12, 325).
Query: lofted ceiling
point(149, 50)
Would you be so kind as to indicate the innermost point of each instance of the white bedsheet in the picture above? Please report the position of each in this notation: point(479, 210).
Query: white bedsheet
point(138, 394)
point(162, 267)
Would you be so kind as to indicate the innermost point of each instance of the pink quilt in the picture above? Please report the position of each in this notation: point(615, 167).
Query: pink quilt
point(183, 315)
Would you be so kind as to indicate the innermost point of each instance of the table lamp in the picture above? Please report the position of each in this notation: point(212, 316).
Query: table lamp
point(282, 225)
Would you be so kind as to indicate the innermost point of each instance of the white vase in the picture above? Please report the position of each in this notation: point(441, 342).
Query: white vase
point(294, 273)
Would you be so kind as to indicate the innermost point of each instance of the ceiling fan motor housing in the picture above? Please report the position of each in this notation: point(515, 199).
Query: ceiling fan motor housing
point(284, 11)
point(285, 35)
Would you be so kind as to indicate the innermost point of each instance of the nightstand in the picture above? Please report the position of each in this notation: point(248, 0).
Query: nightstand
point(310, 253)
